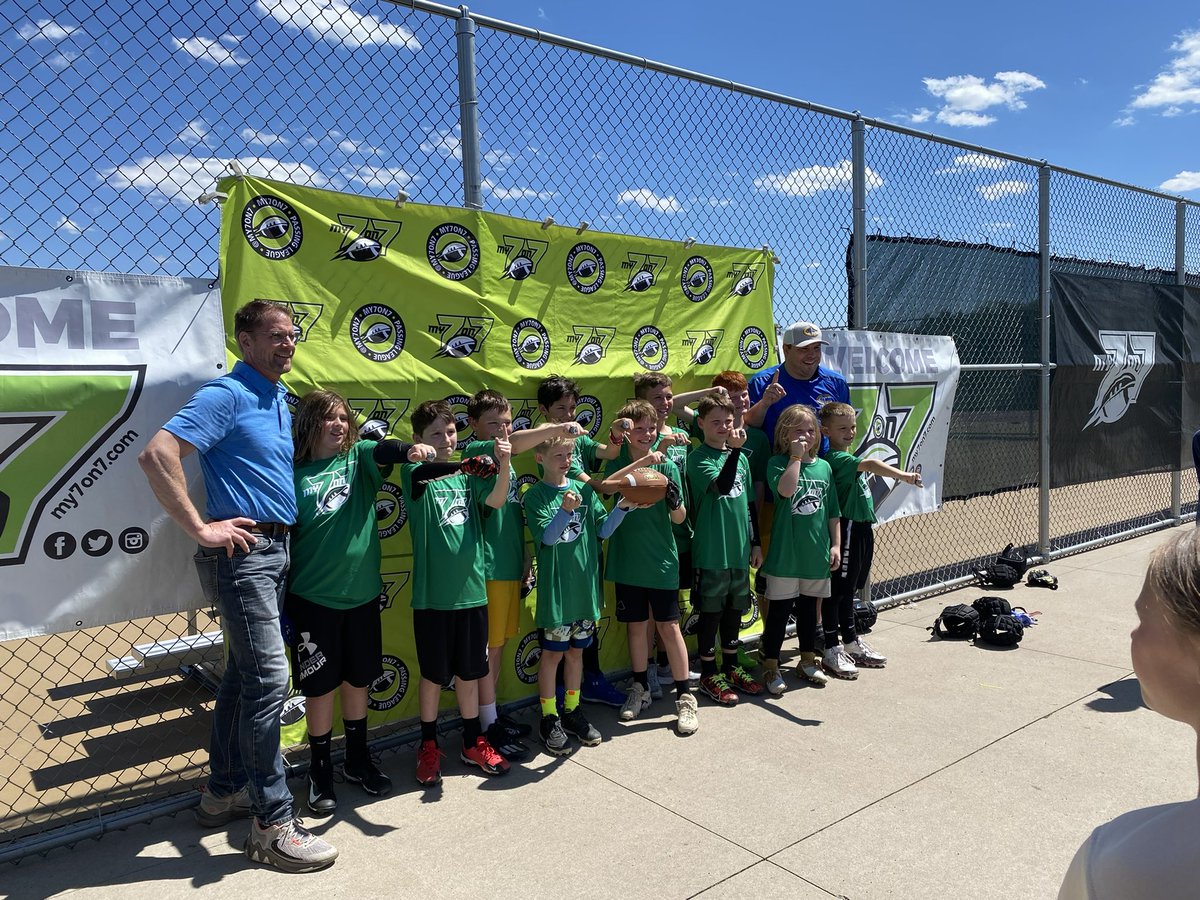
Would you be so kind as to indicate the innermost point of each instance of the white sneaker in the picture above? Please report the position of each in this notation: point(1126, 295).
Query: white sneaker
point(653, 681)
point(864, 656)
point(666, 676)
point(838, 664)
point(636, 700)
point(773, 681)
point(289, 846)
point(689, 719)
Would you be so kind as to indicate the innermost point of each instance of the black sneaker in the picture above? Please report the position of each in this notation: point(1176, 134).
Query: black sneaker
point(321, 799)
point(514, 728)
point(554, 739)
point(576, 723)
point(368, 777)
point(505, 744)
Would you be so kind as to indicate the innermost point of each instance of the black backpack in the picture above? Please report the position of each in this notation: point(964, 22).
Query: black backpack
point(865, 616)
point(958, 621)
point(991, 606)
point(1002, 630)
point(1007, 569)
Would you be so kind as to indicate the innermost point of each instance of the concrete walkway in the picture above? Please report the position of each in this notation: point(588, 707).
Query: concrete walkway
point(956, 771)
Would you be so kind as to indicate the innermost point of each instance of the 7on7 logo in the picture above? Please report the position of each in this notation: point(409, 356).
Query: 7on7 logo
point(643, 269)
point(591, 343)
point(379, 416)
point(703, 345)
point(364, 238)
point(393, 584)
point(892, 422)
point(461, 336)
point(304, 317)
point(55, 420)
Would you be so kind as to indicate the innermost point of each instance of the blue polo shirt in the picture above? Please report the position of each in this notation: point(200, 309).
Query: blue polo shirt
point(242, 428)
point(825, 386)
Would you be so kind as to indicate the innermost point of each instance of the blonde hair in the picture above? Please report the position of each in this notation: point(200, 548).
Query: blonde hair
point(557, 441)
point(636, 410)
point(789, 419)
point(835, 408)
point(1174, 574)
point(310, 416)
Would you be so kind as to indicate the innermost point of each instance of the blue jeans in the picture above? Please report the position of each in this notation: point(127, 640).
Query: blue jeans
point(248, 590)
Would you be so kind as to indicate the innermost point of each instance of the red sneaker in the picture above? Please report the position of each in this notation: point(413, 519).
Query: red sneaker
point(717, 688)
point(429, 763)
point(480, 466)
point(484, 756)
point(744, 682)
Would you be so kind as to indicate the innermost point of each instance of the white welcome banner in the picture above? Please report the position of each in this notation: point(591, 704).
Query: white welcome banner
point(903, 387)
point(91, 366)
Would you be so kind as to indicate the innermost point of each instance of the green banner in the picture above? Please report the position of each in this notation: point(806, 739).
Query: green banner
point(397, 305)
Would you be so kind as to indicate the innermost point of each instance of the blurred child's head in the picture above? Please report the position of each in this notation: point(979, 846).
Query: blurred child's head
point(798, 421)
point(1165, 646)
point(433, 423)
point(490, 415)
point(645, 426)
point(554, 456)
point(324, 426)
point(557, 397)
point(737, 388)
point(839, 423)
point(654, 388)
point(715, 417)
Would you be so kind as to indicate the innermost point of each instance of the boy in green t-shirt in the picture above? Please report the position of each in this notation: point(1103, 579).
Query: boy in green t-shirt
point(567, 522)
point(505, 560)
point(656, 389)
point(724, 546)
point(804, 548)
point(839, 424)
point(558, 398)
point(643, 563)
point(449, 599)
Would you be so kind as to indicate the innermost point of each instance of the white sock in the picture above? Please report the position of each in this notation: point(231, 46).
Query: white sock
point(487, 715)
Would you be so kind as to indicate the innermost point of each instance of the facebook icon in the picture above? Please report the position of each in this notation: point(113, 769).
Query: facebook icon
point(59, 545)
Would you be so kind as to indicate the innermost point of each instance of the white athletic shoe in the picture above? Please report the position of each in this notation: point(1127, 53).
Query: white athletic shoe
point(864, 656)
point(689, 720)
point(809, 668)
point(636, 700)
point(838, 664)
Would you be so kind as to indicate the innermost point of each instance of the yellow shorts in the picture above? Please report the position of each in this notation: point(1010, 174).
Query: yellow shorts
point(504, 611)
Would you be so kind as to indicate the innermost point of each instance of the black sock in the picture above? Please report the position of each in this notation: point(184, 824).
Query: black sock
point(429, 730)
point(471, 731)
point(728, 660)
point(640, 678)
point(663, 662)
point(356, 742)
point(708, 667)
point(318, 745)
point(681, 688)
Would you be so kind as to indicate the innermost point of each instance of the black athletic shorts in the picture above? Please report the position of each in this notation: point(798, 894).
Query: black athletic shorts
point(331, 645)
point(858, 551)
point(634, 603)
point(687, 575)
point(451, 643)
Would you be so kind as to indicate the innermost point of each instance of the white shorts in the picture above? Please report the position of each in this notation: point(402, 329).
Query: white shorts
point(787, 588)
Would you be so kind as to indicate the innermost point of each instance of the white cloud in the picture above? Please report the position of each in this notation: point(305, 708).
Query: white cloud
point(1124, 121)
point(965, 97)
point(1179, 83)
point(498, 159)
point(60, 59)
point(180, 179)
point(812, 264)
point(1184, 181)
point(541, 13)
point(381, 179)
point(514, 193)
point(349, 146)
point(221, 52)
point(46, 30)
point(647, 199)
point(966, 162)
point(1003, 189)
point(65, 224)
point(261, 138)
point(336, 22)
point(193, 133)
point(814, 179)
point(447, 143)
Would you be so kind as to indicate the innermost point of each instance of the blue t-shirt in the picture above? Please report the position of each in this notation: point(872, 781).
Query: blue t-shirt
point(825, 386)
point(242, 428)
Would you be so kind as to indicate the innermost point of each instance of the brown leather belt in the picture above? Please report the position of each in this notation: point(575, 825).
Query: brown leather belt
point(270, 529)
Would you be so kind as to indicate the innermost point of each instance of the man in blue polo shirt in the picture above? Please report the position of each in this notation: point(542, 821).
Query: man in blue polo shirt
point(242, 428)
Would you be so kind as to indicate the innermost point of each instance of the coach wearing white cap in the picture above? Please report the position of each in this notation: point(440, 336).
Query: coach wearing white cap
point(800, 378)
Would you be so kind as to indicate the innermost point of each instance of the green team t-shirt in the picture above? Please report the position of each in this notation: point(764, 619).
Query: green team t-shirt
point(853, 488)
point(568, 585)
point(504, 528)
point(720, 523)
point(642, 550)
point(335, 546)
point(757, 449)
point(446, 527)
point(800, 534)
point(677, 456)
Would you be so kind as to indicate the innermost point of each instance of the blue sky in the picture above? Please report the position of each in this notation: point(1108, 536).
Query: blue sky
point(121, 114)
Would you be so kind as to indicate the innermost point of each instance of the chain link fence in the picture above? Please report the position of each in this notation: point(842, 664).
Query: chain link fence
point(120, 115)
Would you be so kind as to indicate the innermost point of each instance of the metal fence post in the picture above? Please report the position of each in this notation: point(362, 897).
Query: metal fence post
point(468, 111)
point(1044, 359)
point(858, 153)
point(1180, 279)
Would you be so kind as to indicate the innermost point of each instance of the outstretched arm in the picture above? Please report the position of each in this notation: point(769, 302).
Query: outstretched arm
point(879, 467)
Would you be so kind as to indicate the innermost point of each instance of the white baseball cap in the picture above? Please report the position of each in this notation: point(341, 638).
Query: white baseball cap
point(802, 334)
